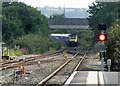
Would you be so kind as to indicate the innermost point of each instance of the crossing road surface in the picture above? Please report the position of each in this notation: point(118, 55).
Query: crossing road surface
point(112, 78)
point(96, 78)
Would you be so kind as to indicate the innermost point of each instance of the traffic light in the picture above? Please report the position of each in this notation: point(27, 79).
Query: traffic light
point(102, 37)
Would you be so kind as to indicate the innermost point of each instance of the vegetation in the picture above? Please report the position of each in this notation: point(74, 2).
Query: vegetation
point(113, 45)
point(37, 44)
point(26, 30)
point(108, 13)
point(84, 36)
point(57, 16)
point(102, 13)
point(16, 51)
point(20, 19)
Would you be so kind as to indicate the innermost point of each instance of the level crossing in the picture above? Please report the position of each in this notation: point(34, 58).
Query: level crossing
point(96, 78)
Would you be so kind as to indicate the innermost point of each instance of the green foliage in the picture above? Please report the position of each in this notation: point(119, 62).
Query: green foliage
point(4, 51)
point(85, 37)
point(107, 13)
point(51, 49)
point(21, 26)
point(38, 44)
point(15, 51)
point(20, 19)
point(113, 45)
point(57, 16)
point(102, 13)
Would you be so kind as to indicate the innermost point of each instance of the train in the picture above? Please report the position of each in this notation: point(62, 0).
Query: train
point(62, 37)
point(73, 40)
point(69, 39)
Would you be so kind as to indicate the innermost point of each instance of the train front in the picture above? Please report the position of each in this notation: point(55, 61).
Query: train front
point(73, 40)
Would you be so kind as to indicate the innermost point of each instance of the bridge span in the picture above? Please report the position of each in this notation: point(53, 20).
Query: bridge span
point(69, 23)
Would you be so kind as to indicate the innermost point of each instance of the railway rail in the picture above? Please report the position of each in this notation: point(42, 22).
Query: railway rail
point(52, 75)
point(27, 61)
point(30, 63)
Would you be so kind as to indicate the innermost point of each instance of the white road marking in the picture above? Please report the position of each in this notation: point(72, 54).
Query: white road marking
point(70, 79)
point(92, 78)
point(101, 80)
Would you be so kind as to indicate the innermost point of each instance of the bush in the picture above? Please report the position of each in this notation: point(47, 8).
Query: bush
point(37, 44)
point(85, 37)
point(15, 51)
point(113, 45)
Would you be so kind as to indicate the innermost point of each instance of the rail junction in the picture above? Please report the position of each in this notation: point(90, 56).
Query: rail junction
point(69, 72)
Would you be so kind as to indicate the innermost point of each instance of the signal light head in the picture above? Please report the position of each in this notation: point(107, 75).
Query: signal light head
point(102, 37)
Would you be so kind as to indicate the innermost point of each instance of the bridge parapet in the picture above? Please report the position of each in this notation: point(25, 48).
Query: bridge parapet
point(69, 23)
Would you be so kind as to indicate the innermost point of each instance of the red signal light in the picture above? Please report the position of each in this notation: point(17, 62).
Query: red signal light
point(102, 37)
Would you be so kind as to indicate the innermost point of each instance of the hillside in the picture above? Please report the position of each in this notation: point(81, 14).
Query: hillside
point(69, 12)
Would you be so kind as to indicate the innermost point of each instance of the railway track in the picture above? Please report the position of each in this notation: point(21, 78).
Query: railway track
point(76, 60)
point(58, 59)
point(28, 60)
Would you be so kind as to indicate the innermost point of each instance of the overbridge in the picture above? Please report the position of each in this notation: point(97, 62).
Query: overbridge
point(69, 23)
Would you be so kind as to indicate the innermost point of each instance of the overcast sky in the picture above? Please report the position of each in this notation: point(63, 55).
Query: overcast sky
point(59, 3)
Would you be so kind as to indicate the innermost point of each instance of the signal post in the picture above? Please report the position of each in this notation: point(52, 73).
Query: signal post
point(102, 37)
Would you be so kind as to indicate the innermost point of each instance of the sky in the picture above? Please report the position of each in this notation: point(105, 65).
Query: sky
point(59, 3)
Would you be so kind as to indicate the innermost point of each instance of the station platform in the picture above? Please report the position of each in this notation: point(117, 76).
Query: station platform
point(93, 78)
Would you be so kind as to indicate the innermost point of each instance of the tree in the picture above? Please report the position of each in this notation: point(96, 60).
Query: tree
point(102, 13)
point(57, 16)
point(113, 45)
point(20, 19)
